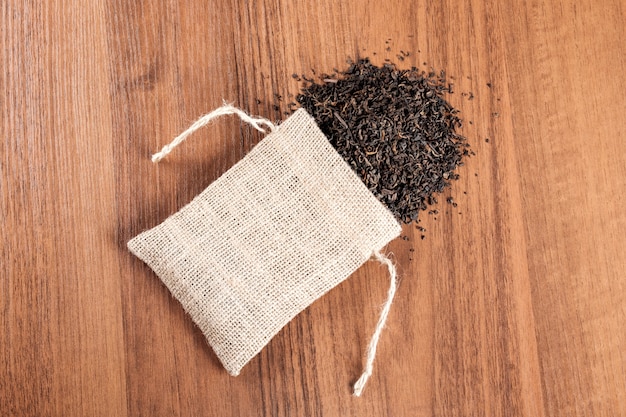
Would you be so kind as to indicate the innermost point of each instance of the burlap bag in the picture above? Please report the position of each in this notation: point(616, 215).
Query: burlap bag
point(278, 230)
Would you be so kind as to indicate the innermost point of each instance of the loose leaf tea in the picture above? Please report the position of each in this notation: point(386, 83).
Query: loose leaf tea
point(394, 128)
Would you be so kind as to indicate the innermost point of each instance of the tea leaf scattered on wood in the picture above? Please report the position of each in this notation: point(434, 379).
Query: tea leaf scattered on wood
point(393, 127)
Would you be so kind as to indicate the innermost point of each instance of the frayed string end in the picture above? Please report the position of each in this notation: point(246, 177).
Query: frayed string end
point(373, 345)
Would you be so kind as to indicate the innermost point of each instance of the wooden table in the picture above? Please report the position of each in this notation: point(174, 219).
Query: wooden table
point(513, 303)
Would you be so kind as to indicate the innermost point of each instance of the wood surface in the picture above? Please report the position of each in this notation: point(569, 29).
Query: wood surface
point(512, 305)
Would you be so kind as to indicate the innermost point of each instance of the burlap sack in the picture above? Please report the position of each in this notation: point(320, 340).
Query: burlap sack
point(278, 230)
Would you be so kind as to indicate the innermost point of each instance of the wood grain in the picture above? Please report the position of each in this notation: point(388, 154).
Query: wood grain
point(513, 304)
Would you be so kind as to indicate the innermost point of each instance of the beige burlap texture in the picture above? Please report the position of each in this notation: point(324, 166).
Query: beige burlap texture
point(283, 226)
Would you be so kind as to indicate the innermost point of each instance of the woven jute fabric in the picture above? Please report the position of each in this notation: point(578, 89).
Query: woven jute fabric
point(283, 226)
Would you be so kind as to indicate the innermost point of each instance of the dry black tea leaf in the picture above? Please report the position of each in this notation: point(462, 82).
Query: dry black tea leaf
point(394, 128)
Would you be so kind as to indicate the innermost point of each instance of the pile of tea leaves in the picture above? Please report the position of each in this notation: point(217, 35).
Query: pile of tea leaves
point(394, 128)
